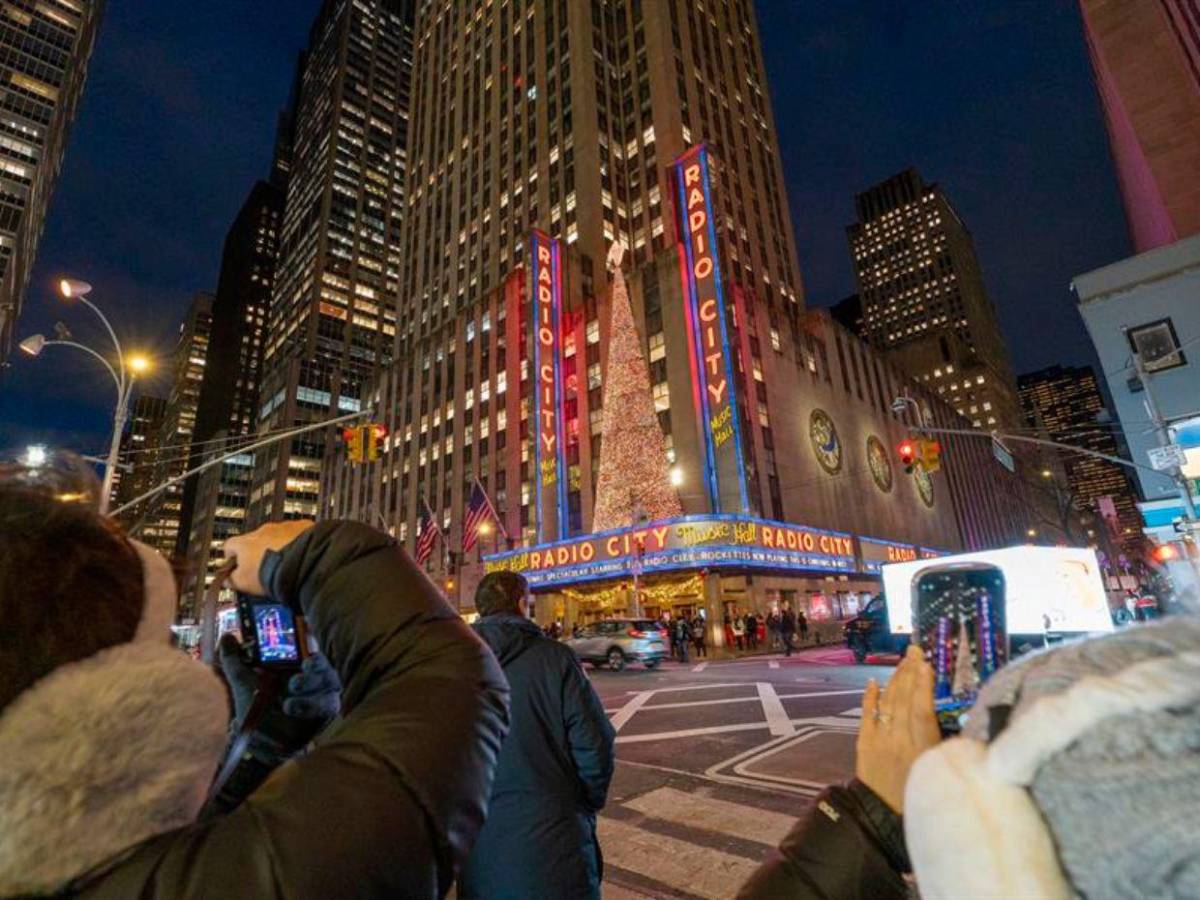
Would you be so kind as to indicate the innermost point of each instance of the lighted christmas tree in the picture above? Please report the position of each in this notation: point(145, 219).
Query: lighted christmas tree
point(635, 478)
point(966, 678)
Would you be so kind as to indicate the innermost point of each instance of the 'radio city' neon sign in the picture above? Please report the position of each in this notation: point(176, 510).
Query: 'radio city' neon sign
point(708, 338)
point(549, 450)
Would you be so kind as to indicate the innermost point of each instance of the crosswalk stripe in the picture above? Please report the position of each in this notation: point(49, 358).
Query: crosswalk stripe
point(705, 872)
point(697, 811)
point(700, 668)
point(773, 664)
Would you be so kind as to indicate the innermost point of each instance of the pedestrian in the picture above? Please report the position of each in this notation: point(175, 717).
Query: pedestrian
point(773, 630)
point(728, 630)
point(699, 636)
point(787, 629)
point(669, 628)
point(739, 631)
point(555, 767)
point(1074, 776)
point(751, 631)
point(110, 737)
point(802, 626)
point(683, 637)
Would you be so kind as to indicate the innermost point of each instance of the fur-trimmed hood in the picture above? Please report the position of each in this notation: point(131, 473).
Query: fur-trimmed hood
point(1078, 774)
point(106, 752)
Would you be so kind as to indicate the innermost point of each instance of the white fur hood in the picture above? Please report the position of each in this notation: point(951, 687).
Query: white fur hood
point(101, 755)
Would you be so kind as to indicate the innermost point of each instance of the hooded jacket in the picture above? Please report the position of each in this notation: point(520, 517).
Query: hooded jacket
point(552, 777)
point(107, 761)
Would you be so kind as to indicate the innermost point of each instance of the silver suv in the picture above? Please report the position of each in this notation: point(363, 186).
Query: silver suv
point(614, 642)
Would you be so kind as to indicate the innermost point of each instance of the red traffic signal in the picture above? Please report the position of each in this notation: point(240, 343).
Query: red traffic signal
point(1165, 553)
point(908, 454)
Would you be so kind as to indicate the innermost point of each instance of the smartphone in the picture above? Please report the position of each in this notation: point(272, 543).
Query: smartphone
point(272, 636)
point(959, 619)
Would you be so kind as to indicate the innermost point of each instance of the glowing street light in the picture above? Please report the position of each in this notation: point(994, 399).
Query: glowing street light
point(124, 373)
point(35, 456)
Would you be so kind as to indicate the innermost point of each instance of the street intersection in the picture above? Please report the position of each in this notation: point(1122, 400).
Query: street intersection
point(716, 760)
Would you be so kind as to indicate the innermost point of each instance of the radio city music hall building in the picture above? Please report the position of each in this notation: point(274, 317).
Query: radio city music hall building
point(777, 422)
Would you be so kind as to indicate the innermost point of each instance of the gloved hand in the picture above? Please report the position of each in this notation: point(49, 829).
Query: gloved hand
point(312, 698)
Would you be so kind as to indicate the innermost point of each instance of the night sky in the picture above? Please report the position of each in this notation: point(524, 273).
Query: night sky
point(991, 98)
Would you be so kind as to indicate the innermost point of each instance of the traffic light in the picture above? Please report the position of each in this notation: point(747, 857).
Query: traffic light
point(908, 454)
point(353, 438)
point(374, 435)
point(931, 456)
point(1165, 553)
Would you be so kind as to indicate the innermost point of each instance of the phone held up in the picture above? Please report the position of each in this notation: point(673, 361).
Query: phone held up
point(959, 618)
point(273, 636)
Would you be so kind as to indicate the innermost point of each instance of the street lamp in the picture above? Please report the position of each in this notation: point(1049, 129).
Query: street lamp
point(899, 404)
point(123, 374)
point(35, 456)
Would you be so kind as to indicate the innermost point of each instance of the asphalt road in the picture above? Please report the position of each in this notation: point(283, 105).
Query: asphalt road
point(716, 760)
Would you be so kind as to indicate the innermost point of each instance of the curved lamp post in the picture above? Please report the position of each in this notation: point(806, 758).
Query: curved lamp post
point(123, 374)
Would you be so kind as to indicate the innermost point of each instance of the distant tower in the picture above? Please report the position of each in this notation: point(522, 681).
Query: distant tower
point(924, 301)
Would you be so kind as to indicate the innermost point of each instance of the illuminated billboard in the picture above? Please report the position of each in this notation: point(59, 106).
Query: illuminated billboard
point(875, 554)
point(709, 351)
point(1046, 588)
point(687, 542)
point(550, 463)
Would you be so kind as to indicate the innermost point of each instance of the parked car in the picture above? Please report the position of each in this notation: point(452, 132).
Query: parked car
point(614, 642)
point(870, 632)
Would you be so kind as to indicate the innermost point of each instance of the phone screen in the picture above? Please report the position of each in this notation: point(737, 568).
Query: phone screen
point(960, 622)
point(275, 633)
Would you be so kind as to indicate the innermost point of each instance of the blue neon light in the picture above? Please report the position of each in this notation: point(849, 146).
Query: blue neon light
point(720, 298)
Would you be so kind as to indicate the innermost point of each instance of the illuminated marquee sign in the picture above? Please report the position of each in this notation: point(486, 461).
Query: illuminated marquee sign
point(876, 554)
point(688, 542)
point(708, 345)
point(549, 450)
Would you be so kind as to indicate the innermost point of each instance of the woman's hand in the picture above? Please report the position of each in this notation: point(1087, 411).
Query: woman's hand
point(897, 727)
point(249, 549)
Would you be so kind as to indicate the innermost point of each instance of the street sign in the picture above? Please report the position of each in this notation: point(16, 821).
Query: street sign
point(1168, 457)
point(1003, 454)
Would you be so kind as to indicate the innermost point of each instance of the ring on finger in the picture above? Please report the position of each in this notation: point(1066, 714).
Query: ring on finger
point(883, 718)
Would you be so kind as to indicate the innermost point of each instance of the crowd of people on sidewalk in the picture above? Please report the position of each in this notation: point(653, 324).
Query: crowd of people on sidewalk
point(479, 756)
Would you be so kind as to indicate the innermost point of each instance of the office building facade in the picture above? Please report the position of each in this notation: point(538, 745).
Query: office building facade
point(331, 324)
point(215, 503)
point(46, 46)
point(924, 301)
point(1066, 404)
point(1146, 60)
point(134, 477)
point(157, 521)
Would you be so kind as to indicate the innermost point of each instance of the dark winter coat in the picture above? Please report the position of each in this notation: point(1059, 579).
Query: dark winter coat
point(552, 778)
point(396, 791)
point(787, 622)
point(850, 847)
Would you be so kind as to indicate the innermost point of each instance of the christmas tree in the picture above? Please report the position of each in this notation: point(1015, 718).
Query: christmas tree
point(966, 678)
point(634, 481)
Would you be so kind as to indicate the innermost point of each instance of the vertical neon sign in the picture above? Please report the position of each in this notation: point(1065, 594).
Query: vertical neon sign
point(708, 347)
point(549, 446)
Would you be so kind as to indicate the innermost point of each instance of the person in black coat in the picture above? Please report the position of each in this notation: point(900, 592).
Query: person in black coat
point(554, 769)
point(387, 804)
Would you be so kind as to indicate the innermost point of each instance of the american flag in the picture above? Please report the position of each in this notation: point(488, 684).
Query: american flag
point(427, 535)
point(479, 510)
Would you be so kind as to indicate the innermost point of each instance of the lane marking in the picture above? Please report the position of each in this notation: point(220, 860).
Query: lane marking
point(700, 668)
point(750, 823)
point(706, 872)
point(704, 776)
point(773, 664)
point(689, 732)
point(683, 704)
point(626, 712)
point(777, 718)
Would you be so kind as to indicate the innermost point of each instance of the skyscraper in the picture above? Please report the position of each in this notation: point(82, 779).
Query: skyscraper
point(1146, 60)
point(332, 315)
point(157, 521)
point(46, 48)
point(214, 504)
point(1067, 404)
point(136, 444)
point(924, 301)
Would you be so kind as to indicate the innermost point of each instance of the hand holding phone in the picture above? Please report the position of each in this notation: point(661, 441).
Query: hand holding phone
point(898, 725)
point(248, 551)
